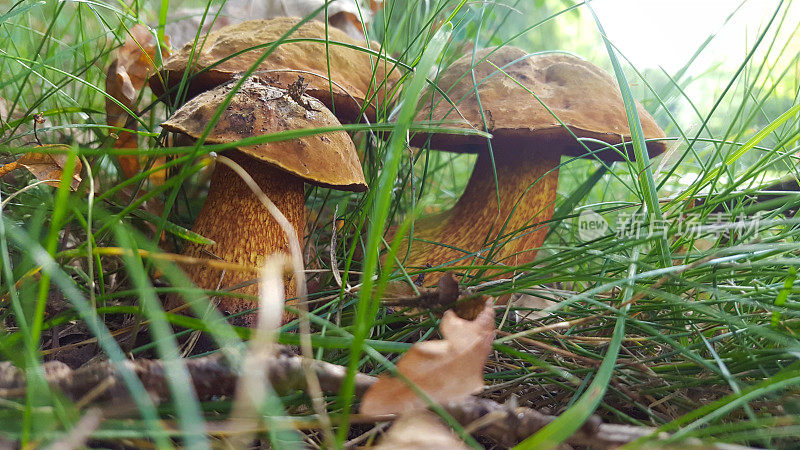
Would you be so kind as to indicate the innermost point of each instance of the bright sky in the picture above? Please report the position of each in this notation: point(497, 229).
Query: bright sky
point(666, 33)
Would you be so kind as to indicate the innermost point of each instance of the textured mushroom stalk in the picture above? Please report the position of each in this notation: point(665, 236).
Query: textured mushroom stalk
point(527, 191)
point(251, 236)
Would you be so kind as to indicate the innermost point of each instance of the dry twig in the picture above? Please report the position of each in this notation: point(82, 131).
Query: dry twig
point(212, 377)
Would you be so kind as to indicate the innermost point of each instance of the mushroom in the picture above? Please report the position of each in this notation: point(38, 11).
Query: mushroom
point(527, 145)
point(351, 70)
point(232, 216)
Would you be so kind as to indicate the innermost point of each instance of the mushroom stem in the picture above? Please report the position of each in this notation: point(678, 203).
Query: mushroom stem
point(527, 192)
point(243, 230)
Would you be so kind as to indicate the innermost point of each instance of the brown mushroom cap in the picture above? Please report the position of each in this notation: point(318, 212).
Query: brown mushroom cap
point(351, 69)
point(585, 97)
point(328, 159)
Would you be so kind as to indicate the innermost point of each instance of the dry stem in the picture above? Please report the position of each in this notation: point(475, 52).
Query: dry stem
point(212, 377)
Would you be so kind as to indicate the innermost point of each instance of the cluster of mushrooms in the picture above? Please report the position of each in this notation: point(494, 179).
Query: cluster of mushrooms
point(582, 101)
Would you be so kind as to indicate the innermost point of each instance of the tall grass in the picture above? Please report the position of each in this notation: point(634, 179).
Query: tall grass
point(692, 330)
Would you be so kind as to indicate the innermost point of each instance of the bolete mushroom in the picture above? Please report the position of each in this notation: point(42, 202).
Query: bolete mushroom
point(233, 216)
point(224, 53)
point(527, 145)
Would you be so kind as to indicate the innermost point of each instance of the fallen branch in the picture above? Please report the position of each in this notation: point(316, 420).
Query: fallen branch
point(213, 377)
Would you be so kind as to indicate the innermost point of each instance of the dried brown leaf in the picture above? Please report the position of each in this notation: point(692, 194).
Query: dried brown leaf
point(530, 307)
point(50, 166)
point(125, 78)
point(446, 370)
point(137, 54)
point(420, 430)
point(120, 87)
point(128, 74)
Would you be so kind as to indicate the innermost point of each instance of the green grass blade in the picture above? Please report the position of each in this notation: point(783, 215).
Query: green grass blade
point(746, 147)
point(784, 295)
point(557, 431)
point(190, 416)
point(367, 304)
point(645, 171)
point(138, 393)
point(23, 9)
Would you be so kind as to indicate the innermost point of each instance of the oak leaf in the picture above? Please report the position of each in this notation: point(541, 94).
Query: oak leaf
point(446, 370)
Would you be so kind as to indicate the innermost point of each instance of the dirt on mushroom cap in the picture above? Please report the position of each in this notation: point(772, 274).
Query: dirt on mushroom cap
point(328, 159)
point(583, 96)
point(351, 69)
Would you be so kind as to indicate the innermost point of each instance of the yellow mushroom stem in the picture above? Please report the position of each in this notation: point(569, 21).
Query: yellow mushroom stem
point(527, 190)
point(243, 230)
